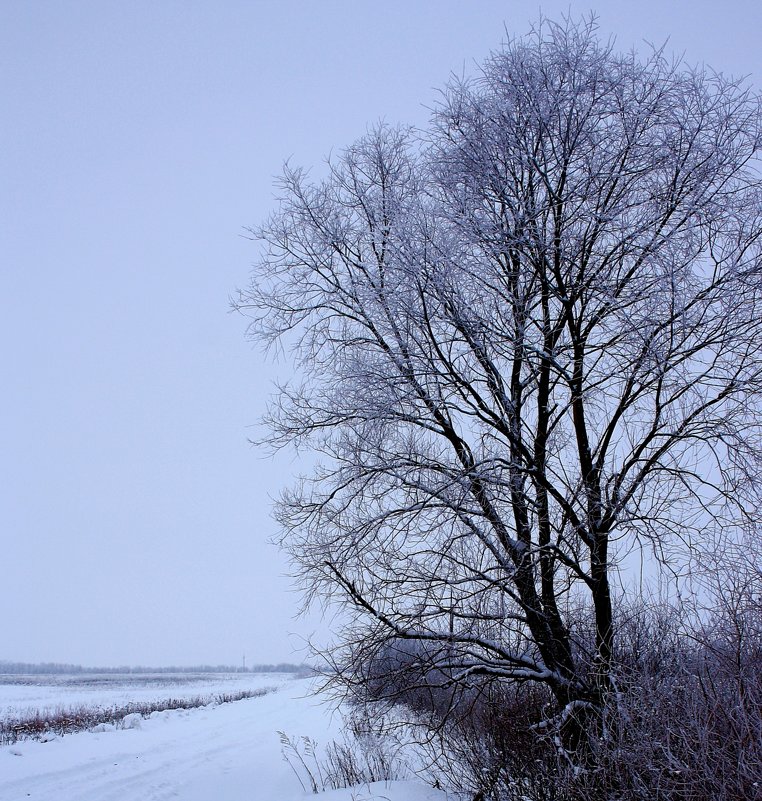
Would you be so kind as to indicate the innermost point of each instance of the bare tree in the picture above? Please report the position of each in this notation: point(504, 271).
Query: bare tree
point(528, 343)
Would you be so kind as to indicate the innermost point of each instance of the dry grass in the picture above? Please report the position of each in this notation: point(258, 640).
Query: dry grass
point(81, 717)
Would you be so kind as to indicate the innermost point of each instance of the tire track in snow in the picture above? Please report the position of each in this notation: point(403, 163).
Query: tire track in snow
point(186, 755)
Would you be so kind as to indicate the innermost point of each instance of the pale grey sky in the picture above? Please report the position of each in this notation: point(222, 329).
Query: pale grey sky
point(137, 141)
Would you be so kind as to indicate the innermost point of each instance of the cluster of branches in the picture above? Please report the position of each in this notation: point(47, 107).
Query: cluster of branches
point(684, 722)
point(527, 342)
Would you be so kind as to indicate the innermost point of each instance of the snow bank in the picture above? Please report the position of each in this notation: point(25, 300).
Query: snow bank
point(229, 752)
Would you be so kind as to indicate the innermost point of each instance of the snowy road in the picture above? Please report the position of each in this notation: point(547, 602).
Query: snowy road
point(222, 753)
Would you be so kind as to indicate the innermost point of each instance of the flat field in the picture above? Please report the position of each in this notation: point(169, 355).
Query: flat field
point(21, 695)
point(220, 752)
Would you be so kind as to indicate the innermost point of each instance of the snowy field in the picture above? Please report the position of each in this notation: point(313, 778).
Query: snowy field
point(23, 694)
point(228, 752)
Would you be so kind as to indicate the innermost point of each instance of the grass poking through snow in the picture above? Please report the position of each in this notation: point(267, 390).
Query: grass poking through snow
point(45, 723)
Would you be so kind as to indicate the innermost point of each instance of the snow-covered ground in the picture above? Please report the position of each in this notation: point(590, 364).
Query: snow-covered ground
point(229, 752)
point(23, 694)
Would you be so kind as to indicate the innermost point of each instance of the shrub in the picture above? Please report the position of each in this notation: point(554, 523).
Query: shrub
point(683, 720)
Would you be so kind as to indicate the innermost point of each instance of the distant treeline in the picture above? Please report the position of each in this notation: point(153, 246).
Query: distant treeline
point(45, 668)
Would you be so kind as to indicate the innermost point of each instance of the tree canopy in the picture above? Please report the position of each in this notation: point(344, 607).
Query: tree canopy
point(527, 343)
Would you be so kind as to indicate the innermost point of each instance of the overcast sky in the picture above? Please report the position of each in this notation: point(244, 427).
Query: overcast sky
point(137, 140)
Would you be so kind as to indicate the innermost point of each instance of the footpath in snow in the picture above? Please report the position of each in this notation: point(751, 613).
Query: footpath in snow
point(229, 752)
